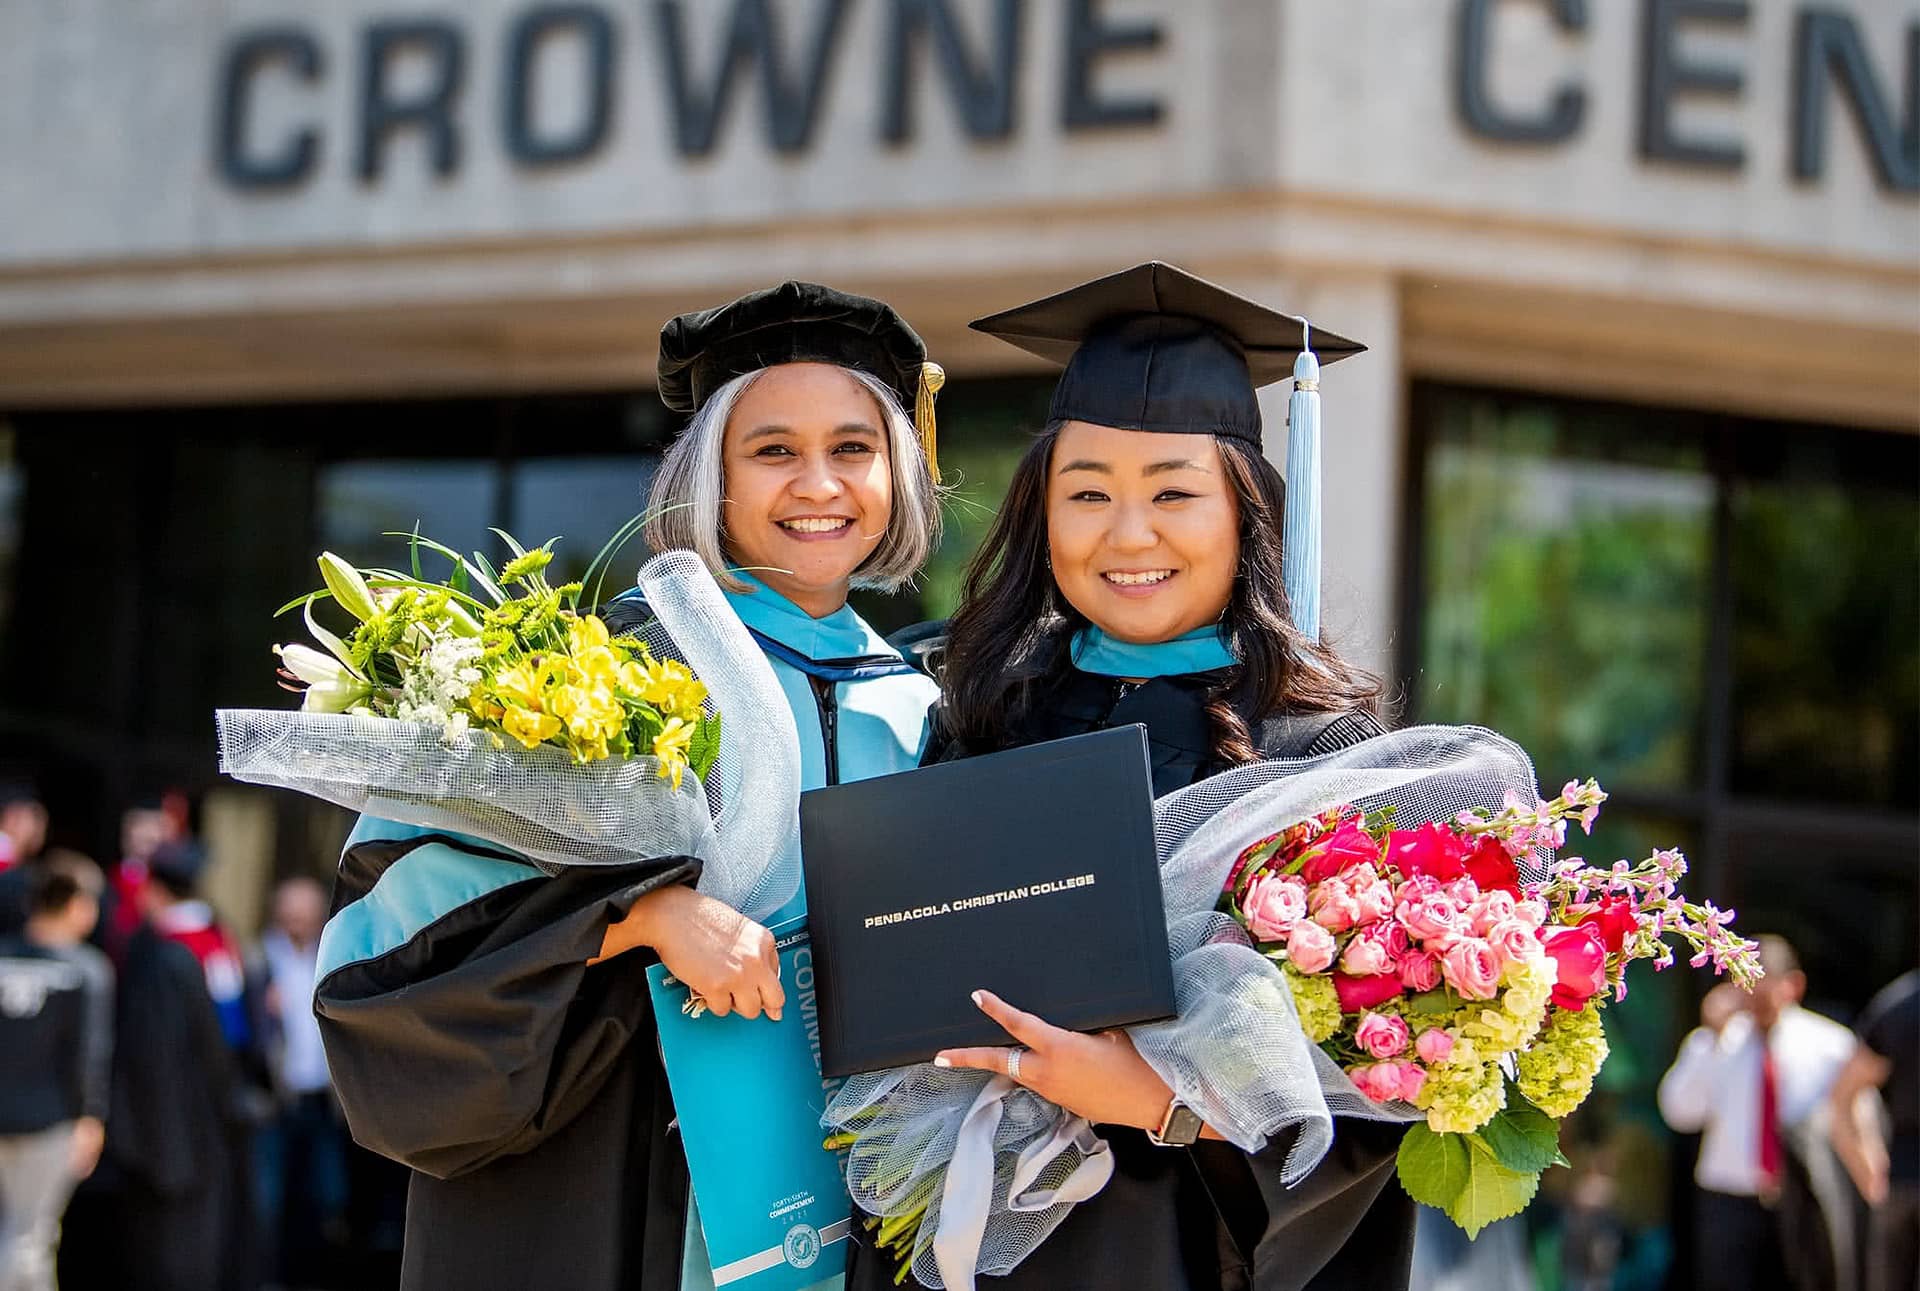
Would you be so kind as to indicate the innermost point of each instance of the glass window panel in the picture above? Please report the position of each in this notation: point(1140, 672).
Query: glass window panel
point(1567, 551)
point(454, 501)
point(1825, 563)
point(1856, 931)
point(985, 428)
point(583, 501)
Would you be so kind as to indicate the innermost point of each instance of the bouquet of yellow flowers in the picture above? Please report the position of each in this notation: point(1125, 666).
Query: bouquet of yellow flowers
point(496, 704)
point(508, 654)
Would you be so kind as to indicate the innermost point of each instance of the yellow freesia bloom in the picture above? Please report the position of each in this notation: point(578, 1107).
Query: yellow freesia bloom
point(670, 746)
point(672, 689)
point(598, 664)
point(585, 633)
point(519, 684)
point(529, 727)
point(590, 711)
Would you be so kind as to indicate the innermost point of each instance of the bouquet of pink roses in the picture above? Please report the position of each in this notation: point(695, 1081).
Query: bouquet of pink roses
point(1435, 973)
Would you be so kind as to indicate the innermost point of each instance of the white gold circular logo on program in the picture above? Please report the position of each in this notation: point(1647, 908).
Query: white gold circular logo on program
point(802, 1246)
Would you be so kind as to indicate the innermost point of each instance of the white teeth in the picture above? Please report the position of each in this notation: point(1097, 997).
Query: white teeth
point(1139, 579)
point(815, 524)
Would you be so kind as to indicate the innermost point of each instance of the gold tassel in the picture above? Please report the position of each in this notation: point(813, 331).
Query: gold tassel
point(932, 377)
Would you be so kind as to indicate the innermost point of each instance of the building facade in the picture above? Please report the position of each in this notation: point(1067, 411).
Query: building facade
point(1631, 470)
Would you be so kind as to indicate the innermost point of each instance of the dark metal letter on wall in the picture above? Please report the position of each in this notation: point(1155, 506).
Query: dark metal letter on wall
point(430, 110)
point(245, 58)
point(594, 30)
point(1827, 47)
point(753, 35)
point(1088, 40)
point(1473, 100)
point(1664, 75)
point(984, 97)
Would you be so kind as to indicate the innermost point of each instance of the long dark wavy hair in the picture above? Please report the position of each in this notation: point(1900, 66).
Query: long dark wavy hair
point(1013, 629)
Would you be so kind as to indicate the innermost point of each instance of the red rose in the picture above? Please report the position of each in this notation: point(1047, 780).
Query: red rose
point(1614, 920)
point(1491, 867)
point(1581, 960)
point(1432, 849)
point(1360, 993)
point(1345, 847)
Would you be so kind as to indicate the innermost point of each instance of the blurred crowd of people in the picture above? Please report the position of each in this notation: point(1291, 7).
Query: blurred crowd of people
point(166, 1119)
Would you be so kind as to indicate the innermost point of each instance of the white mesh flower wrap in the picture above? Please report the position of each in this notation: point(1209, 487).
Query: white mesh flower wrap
point(997, 1167)
point(539, 803)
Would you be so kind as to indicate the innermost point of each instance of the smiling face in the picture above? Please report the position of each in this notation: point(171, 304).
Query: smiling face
point(809, 493)
point(1143, 530)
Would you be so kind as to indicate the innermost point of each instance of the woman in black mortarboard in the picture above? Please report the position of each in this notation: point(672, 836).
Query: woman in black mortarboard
point(1135, 574)
point(483, 1022)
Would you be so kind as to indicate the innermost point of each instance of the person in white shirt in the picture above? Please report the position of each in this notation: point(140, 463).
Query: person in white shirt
point(304, 1192)
point(1755, 1070)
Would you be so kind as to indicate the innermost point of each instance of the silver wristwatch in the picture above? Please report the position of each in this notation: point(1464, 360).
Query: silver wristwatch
point(1179, 1128)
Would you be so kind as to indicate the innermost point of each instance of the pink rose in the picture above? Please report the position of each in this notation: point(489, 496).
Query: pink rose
point(1373, 898)
point(1347, 846)
point(1471, 968)
point(1379, 1081)
point(1427, 912)
point(1464, 892)
point(1434, 1046)
point(1365, 957)
point(1488, 909)
point(1381, 1034)
point(1420, 970)
point(1377, 948)
point(1309, 947)
point(1357, 994)
point(1273, 904)
point(1513, 942)
point(1581, 958)
point(1332, 906)
point(1432, 849)
point(1385, 1081)
point(1412, 1078)
point(1532, 911)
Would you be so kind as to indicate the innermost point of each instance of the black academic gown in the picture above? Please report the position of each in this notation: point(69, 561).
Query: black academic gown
point(1211, 1216)
point(520, 1083)
point(165, 1211)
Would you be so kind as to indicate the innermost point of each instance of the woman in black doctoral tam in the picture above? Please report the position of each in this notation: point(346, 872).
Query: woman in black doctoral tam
point(490, 1025)
point(1135, 575)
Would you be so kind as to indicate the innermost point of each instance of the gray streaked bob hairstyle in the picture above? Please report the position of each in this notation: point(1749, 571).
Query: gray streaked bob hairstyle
point(688, 490)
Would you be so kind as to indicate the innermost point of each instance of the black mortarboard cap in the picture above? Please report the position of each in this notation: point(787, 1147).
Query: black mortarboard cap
point(1155, 348)
point(796, 322)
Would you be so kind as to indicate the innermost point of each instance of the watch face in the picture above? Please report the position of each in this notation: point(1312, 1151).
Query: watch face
point(1183, 1127)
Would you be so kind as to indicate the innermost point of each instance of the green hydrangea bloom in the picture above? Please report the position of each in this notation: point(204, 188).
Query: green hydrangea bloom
point(1557, 1072)
point(1316, 1001)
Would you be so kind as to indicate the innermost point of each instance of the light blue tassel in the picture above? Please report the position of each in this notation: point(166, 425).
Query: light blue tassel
point(1300, 554)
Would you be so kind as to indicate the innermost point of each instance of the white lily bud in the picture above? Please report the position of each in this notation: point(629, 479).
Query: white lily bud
point(348, 588)
point(334, 696)
point(315, 667)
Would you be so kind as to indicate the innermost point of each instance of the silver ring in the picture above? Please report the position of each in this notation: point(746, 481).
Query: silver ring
point(1013, 1064)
